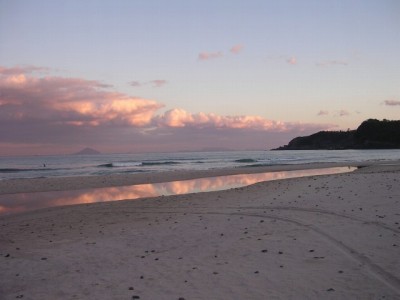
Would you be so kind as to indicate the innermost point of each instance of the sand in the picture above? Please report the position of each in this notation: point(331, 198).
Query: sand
point(321, 237)
point(83, 182)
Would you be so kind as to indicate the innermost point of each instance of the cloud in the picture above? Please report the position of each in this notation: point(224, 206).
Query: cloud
point(158, 82)
point(331, 63)
point(237, 49)
point(17, 70)
point(179, 118)
point(391, 102)
point(70, 101)
point(292, 60)
point(209, 55)
point(49, 114)
point(154, 83)
point(343, 113)
point(135, 83)
point(339, 113)
point(323, 113)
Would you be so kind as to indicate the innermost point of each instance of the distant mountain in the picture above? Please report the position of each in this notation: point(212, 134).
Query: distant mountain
point(87, 151)
point(371, 134)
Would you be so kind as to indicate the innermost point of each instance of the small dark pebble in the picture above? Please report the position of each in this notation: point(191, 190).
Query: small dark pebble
point(340, 271)
point(330, 290)
point(311, 250)
point(264, 251)
point(215, 273)
point(181, 298)
point(44, 258)
point(280, 252)
point(141, 277)
point(256, 272)
point(131, 288)
point(7, 255)
point(135, 297)
point(20, 296)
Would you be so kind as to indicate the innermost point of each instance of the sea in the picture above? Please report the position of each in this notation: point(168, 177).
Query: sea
point(12, 167)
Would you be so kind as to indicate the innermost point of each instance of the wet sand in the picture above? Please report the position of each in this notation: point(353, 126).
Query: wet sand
point(84, 182)
point(321, 237)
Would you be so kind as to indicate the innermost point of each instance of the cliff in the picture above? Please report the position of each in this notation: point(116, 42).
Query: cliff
point(371, 134)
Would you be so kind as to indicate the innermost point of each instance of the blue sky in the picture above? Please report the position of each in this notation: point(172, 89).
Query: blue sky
point(322, 64)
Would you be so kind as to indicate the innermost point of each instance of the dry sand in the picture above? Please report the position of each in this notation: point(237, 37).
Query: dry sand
point(322, 237)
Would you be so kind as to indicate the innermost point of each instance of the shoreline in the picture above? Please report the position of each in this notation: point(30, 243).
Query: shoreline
point(27, 185)
point(319, 237)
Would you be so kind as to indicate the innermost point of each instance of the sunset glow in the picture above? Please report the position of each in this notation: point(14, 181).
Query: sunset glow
point(249, 75)
point(19, 202)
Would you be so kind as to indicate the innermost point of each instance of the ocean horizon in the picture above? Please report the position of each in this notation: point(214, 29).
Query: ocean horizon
point(16, 167)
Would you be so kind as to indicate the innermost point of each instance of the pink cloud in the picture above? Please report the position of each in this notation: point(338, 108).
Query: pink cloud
point(331, 63)
point(158, 82)
point(323, 113)
point(21, 70)
point(391, 102)
point(339, 113)
point(343, 113)
point(179, 118)
point(51, 114)
point(292, 60)
point(237, 49)
point(154, 83)
point(135, 83)
point(209, 55)
point(70, 101)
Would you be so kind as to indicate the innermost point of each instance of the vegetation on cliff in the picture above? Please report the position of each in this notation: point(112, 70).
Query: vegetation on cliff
point(371, 134)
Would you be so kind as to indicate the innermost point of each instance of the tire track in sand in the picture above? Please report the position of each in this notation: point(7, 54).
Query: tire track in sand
point(388, 279)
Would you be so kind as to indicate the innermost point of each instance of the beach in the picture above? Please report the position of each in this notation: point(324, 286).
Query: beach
point(319, 237)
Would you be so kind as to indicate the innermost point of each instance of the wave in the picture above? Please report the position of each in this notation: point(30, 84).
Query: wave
point(121, 165)
point(257, 165)
point(13, 170)
point(106, 165)
point(246, 160)
point(157, 163)
point(137, 164)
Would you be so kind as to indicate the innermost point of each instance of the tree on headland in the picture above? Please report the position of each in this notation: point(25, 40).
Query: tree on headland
point(371, 134)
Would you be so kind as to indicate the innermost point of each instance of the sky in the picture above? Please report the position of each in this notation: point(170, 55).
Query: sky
point(131, 76)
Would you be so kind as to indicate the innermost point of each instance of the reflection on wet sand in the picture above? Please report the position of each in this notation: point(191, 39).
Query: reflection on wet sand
point(13, 203)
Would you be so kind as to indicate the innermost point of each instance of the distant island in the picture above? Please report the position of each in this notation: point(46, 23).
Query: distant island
point(87, 151)
point(371, 134)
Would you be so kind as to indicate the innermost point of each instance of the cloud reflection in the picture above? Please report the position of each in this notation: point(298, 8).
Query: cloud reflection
point(30, 201)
